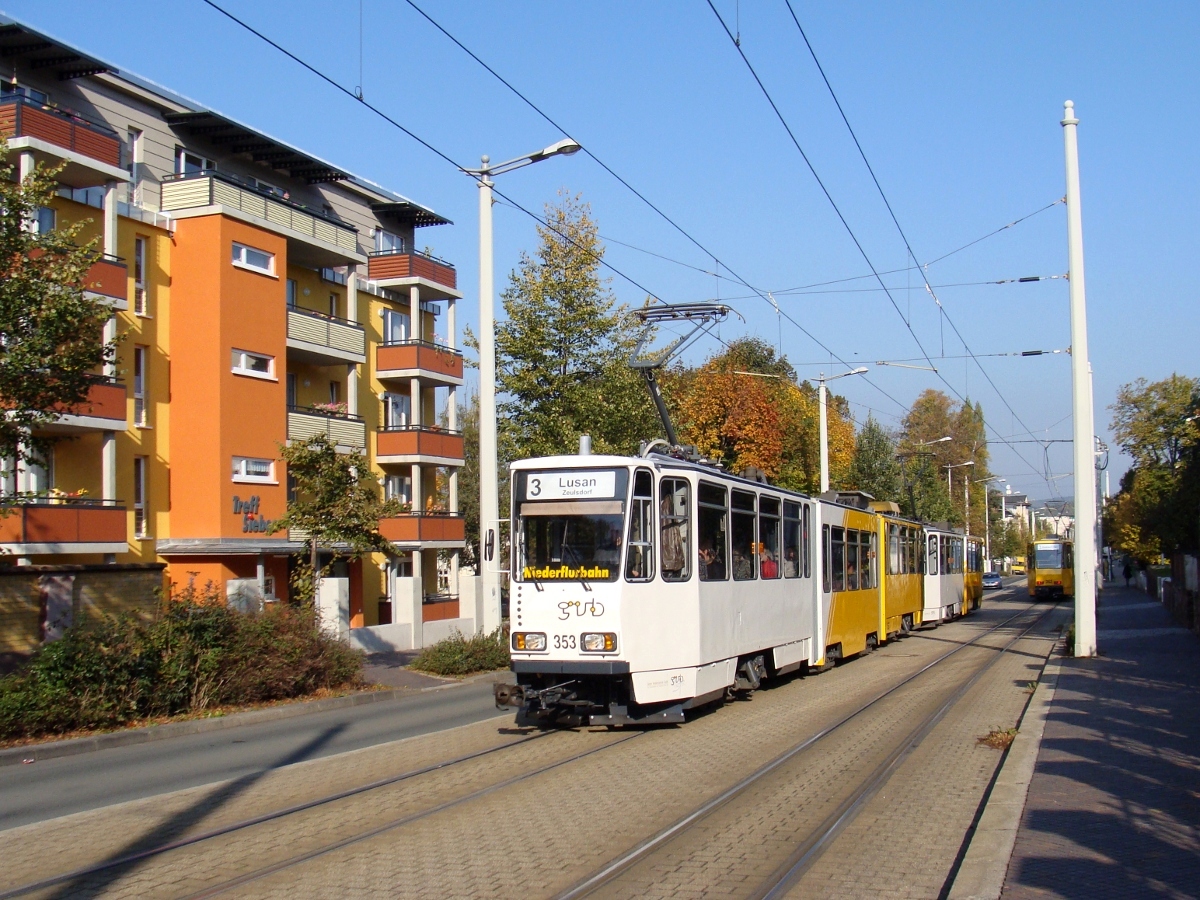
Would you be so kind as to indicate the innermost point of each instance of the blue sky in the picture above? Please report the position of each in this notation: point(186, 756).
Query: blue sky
point(957, 107)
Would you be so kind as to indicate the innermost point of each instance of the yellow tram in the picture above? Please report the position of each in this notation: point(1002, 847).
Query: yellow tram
point(1051, 566)
point(973, 576)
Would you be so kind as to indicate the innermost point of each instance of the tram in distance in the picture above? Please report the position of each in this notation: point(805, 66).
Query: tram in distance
point(646, 586)
point(1051, 568)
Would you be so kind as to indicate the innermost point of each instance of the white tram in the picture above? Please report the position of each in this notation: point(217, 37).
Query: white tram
point(646, 586)
point(945, 576)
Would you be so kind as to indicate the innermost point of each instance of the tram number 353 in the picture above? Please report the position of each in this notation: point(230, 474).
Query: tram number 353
point(564, 642)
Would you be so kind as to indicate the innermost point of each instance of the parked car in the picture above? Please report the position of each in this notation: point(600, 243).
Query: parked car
point(991, 581)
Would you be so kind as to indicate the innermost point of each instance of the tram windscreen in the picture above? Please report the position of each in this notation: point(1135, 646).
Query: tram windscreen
point(1049, 556)
point(570, 524)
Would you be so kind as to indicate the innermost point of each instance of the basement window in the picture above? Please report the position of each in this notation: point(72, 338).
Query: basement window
point(254, 471)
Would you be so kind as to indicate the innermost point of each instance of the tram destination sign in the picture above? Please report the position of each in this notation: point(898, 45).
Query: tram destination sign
point(577, 485)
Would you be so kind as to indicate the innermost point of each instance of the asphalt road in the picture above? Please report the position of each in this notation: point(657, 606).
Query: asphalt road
point(59, 787)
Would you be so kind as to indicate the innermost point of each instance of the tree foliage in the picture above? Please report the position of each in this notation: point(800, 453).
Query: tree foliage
point(561, 356)
point(1156, 510)
point(51, 332)
point(934, 416)
point(875, 469)
point(338, 504)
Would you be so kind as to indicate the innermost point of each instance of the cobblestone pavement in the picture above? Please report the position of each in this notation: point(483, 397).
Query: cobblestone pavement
point(1113, 809)
point(535, 838)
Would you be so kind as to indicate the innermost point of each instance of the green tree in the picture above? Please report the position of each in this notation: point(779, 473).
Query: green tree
point(561, 356)
point(1151, 420)
point(51, 332)
point(337, 504)
point(468, 480)
point(875, 469)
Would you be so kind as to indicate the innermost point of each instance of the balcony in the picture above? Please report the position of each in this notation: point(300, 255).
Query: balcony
point(104, 410)
point(108, 279)
point(322, 340)
point(340, 429)
point(432, 530)
point(432, 363)
point(314, 238)
point(435, 277)
point(62, 525)
point(92, 152)
point(419, 444)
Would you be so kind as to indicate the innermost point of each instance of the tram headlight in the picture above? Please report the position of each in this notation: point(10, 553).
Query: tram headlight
point(598, 642)
point(528, 641)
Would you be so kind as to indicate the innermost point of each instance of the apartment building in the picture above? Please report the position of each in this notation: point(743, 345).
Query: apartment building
point(263, 296)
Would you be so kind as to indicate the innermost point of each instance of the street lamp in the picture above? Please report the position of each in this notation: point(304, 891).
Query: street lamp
point(966, 492)
point(489, 488)
point(821, 393)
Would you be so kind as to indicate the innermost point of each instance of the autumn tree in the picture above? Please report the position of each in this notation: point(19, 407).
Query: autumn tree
point(561, 356)
point(934, 416)
point(875, 469)
point(1155, 511)
point(337, 505)
point(51, 332)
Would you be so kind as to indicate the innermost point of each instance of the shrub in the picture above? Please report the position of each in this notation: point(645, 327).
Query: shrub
point(195, 654)
point(459, 655)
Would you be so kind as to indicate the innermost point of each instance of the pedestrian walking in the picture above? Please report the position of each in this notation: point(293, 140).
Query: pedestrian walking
point(1127, 572)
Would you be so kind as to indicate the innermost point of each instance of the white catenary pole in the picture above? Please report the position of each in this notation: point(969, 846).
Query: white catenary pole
point(489, 490)
point(824, 435)
point(1081, 399)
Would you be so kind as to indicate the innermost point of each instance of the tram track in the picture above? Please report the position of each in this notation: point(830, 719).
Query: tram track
point(83, 878)
point(809, 848)
point(82, 874)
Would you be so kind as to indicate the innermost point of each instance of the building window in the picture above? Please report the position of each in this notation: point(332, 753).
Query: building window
point(256, 260)
point(139, 385)
point(292, 290)
point(333, 276)
point(335, 393)
point(396, 410)
point(291, 389)
point(398, 487)
point(395, 327)
point(333, 306)
point(43, 220)
point(140, 518)
point(187, 163)
point(140, 306)
point(28, 93)
point(386, 242)
point(255, 471)
point(256, 365)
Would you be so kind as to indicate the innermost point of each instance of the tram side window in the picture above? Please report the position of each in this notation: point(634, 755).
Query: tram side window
point(1068, 557)
point(741, 533)
point(675, 527)
point(837, 559)
point(639, 560)
point(851, 560)
point(933, 554)
point(894, 567)
point(958, 556)
point(768, 537)
point(806, 546)
point(915, 556)
point(711, 532)
point(792, 548)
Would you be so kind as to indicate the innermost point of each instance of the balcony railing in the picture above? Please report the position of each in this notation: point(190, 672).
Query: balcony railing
point(387, 265)
point(108, 277)
point(338, 428)
point(326, 331)
point(62, 520)
point(403, 359)
point(427, 527)
point(22, 117)
point(198, 189)
point(418, 440)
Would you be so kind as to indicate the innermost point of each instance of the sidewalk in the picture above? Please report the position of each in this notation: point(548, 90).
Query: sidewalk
point(1113, 808)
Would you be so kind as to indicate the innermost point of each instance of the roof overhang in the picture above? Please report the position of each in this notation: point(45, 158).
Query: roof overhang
point(408, 213)
point(39, 53)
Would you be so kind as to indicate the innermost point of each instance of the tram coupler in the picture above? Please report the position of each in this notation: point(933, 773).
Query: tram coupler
point(508, 695)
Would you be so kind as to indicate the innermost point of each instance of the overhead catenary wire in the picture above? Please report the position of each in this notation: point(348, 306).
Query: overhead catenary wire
point(907, 244)
point(717, 261)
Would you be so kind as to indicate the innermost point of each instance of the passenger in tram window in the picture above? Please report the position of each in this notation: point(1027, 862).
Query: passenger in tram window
point(790, 564)
point(837, 564)
point(712, 568)
point(769, 568)
point(672, 516)
point(743, 569)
